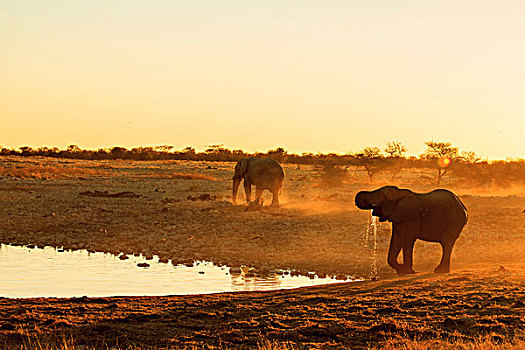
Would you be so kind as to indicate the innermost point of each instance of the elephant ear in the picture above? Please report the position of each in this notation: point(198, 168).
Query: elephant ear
point(407, 208)
point(385, 210)
point(241, 168)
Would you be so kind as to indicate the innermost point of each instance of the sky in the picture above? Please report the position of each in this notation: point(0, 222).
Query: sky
point(308, 76)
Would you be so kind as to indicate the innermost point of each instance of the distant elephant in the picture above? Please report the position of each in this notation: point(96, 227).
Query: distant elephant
point(437, 216)
point(265, 174)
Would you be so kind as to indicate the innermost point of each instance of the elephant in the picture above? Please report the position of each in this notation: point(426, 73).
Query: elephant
point(265, 174)
point(436, 216)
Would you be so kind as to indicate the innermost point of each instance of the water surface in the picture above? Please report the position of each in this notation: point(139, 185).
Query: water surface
point(47, 272)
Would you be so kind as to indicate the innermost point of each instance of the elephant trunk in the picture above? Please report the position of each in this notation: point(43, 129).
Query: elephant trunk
point(362, 202)
point(236, 183)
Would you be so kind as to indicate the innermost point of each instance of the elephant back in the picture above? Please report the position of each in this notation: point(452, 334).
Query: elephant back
point(444, 205)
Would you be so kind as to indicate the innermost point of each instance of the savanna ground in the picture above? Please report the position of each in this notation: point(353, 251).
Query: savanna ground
point(183, 212)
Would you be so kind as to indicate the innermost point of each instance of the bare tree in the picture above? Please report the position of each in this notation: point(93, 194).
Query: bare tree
point(395, 151)
point(443, 154)
point(469, 157)
point(370, 158)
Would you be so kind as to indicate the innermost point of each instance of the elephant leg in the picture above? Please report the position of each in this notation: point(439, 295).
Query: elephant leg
point(258, 193)
point(275, 198)
point(447, 243)
point(444, 265)
point(248, 191)
point(394, 249)
point(408, 249)
point(409, 231)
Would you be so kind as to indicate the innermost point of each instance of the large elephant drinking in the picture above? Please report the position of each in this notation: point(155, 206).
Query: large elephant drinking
point(437, 216)
point(265, 174)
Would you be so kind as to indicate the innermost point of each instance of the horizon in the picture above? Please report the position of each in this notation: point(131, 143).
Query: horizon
point(264, 151)
point(308, 77)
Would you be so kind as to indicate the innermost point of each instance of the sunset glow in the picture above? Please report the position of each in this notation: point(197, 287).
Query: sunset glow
point(444, 162)
point(303, 75)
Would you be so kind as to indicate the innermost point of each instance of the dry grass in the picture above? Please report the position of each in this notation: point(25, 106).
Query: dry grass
point(398, 343)
point(192, 176)
point(42, 172)
point(272, 345)
point(483, 343)
point(267, 345)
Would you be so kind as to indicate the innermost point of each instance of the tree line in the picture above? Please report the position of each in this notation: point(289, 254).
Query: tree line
point(442, 157)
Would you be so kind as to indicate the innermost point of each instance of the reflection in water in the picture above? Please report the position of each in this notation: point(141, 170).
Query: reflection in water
point(47, 272)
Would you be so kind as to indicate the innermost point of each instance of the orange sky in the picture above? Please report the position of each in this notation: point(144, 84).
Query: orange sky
point(309, 76)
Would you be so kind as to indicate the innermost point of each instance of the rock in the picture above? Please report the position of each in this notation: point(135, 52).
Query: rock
point(203, 197)
point(105, 194)
point(235, 270)
point(143, 264)
point(123, 257)
point(502, 269)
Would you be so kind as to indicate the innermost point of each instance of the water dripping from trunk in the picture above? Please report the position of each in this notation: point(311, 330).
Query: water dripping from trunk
point(370, 244)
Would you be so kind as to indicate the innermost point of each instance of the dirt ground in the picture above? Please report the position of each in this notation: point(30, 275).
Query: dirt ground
point(63, 203)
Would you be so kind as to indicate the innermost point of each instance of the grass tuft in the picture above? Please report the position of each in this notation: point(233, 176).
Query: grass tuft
point(192, 176)
point(46, 172)
point(487, 342)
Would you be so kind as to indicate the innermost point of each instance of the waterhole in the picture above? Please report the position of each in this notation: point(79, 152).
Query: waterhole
point(48, 272)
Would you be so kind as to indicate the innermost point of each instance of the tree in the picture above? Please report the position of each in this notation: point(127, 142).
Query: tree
point(118, 152)
point(370, 158)
point(278, 154)
point(443, 154)
point(469, 157)
point(26, 151)
point(189, 153)
point(189, 150)
point(395, 151)
point(470, 168)
point(164, 148)
point(214, 148)
point(73, 149)
point(218, 152)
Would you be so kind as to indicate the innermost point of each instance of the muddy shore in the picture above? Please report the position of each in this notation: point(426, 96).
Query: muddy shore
point(462, 306)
